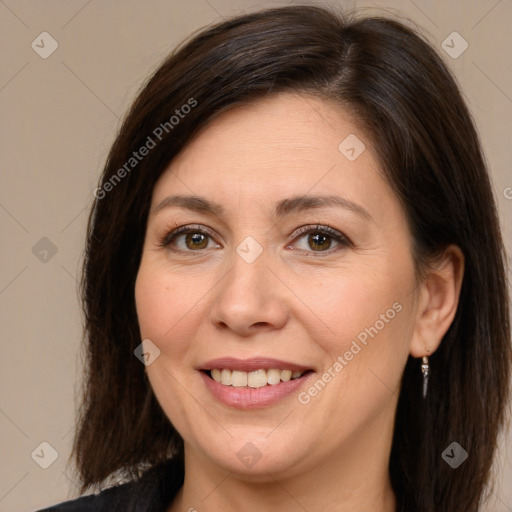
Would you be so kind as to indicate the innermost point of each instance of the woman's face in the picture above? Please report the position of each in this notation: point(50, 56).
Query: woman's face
point(296, 257)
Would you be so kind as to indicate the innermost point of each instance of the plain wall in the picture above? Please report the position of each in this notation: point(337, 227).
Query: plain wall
point(59, 116)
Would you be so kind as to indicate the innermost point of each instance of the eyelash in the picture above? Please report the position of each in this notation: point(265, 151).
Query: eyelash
point(168, 237)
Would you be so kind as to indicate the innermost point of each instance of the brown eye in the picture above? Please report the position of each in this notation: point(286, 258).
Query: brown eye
point(196, 241)
point(319, 241)
point(188, 239)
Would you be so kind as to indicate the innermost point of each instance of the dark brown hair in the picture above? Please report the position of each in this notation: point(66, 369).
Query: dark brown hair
point(406, 99)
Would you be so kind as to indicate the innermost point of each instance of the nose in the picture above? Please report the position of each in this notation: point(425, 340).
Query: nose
point(250, 298)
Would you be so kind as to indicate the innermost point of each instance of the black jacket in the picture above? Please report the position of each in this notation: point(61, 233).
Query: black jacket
point(153, 492)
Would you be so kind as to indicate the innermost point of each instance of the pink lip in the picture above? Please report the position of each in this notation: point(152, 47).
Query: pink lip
point(252, 398)
point(250, 365)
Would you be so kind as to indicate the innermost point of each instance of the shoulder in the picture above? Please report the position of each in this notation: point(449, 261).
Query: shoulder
point(103, 501)
point(152, 492)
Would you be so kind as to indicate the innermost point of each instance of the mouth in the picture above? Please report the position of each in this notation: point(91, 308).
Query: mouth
point(253, 379)
point(252, 383)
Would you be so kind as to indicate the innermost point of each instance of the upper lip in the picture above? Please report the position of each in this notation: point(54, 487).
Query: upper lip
point(249, 365)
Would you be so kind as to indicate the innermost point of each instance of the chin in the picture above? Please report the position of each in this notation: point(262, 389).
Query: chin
point(260, 460)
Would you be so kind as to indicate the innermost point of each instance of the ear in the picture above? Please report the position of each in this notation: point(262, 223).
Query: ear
point(438, 299)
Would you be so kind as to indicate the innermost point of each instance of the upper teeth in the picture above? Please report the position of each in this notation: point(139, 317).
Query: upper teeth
point(256, 379)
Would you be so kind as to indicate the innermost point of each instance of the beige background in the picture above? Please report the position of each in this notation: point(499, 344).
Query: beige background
point(58, 119)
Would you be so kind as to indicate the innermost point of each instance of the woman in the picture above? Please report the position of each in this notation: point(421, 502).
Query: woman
point(294, 283)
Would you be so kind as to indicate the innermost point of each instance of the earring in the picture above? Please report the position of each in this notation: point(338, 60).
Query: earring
point(425, 369)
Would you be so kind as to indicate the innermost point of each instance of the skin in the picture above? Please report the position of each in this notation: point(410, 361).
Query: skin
point(294, 302)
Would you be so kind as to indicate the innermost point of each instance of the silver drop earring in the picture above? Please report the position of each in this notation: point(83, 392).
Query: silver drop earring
point(425, 369)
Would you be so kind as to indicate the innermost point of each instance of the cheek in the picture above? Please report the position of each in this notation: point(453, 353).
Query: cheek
point(165, 301)
point(151, 299)
point(368, 314)
point(164, 306)
point(354, 306)
point(366, 355)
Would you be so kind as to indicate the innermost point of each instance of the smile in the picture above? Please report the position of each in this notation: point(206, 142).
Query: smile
point(254, 379)
point(252, 383)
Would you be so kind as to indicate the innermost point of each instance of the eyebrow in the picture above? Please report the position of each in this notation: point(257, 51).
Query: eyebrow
point(283, 207)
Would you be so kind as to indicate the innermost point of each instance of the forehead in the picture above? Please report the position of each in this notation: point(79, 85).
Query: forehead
point(278, 146)
point(292, 126)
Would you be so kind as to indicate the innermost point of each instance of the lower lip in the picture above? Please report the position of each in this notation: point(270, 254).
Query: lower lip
point(252, 398)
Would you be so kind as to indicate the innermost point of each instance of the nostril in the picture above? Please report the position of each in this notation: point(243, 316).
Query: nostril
point(260, 324)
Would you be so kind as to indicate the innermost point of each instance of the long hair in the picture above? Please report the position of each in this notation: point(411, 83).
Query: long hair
point(411, 108)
